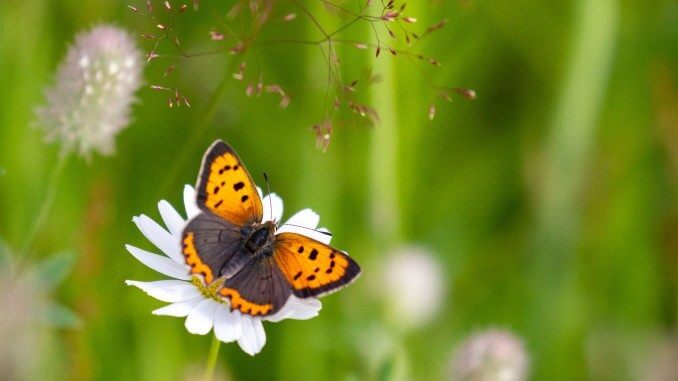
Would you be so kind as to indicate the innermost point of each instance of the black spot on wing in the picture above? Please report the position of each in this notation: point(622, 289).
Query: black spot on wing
point(351, 271)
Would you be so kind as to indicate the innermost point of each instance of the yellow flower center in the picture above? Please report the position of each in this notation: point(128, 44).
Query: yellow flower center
point(211, 290)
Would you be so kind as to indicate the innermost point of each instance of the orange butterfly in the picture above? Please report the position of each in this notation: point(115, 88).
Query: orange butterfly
point(241, 258)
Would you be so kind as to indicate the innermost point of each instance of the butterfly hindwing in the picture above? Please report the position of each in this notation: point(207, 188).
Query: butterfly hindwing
point(311, 267)
point(210, 246)
point(225, 188)
point(259, 289)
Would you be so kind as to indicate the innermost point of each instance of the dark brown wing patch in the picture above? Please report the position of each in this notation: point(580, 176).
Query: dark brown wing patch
point(259, 289)
point(211, 246)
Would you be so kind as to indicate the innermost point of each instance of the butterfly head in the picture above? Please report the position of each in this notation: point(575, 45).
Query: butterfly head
point(271, 226)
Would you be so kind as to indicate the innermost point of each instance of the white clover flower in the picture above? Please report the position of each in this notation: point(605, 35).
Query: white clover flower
point(661, 361)
point(94, 89)
point(414, 286)
point(492, 355)
point(183, 292)
point(18, 334)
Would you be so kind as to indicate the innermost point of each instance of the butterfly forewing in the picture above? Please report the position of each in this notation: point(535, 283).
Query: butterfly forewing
point(312, 268)
point(226, 189)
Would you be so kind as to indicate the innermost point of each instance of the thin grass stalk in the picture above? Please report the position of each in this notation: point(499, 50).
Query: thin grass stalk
point(558, 320)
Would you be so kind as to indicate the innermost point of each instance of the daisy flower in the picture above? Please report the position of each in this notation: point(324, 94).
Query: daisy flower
point(185, 293)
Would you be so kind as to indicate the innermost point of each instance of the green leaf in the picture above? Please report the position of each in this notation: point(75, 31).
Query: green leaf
point(56, 315)
point(52, 271)
point(387, 370)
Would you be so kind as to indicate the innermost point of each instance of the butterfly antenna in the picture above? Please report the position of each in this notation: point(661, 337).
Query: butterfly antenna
point(268, 189)
point(270, 201)
point(307, 228)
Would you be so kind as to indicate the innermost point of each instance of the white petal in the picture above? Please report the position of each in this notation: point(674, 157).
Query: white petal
point(159, 237)
point(305, 217)
point(285, 312)
point(308, 220)
point(227, 325)
point(200, 320)
point(259, 333)
point(190, 204)
point(247, 341)
point(253, 336)
point(296, 308)
point(281, 315)
point(324, 238)
point(272, 200)
point(305, 308)
point(167, 290)
point(179, 309)
point(160, 263)
point(172, 218)
point(314, 234)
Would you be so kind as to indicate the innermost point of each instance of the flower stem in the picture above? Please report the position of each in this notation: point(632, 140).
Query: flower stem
point(46, 206)
point(212, 359)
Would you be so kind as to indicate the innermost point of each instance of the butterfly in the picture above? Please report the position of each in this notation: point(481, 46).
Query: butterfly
point(240, 258)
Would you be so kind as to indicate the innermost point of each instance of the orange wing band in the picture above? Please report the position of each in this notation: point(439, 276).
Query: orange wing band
point(193, 260)
point(243, 305)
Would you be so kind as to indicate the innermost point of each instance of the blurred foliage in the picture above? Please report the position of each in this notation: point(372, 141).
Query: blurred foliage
point(551, 200)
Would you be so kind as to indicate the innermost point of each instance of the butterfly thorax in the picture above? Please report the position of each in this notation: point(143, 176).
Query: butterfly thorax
point(259, 238)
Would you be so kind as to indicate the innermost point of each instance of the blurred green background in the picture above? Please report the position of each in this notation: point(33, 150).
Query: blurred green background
point(549, 202)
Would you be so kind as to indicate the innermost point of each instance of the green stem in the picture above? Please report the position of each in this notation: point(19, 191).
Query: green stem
point(384, 155)
point(384, 181)
point(199, 130)
point(46, 206)
point(212, 359)
point(558, 317)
